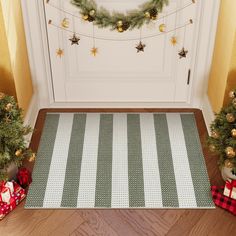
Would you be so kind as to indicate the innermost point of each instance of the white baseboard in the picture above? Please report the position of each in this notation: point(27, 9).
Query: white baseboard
point(207, 112)
point(31, 115)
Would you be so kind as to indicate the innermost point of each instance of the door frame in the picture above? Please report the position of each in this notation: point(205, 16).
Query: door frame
point(39, 58)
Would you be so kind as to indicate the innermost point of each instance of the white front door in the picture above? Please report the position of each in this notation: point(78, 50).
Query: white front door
point(118, 73)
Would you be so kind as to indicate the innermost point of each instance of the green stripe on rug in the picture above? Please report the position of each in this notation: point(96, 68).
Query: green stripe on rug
point(42, 165)
point(73, 167)
point(135, 164)
point(104, 162)
point(166, 168)
point(196, 161)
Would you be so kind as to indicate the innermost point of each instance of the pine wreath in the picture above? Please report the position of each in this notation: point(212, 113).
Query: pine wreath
point(121, 22)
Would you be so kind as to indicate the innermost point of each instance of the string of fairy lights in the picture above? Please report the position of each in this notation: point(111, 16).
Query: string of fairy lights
point(65, 25)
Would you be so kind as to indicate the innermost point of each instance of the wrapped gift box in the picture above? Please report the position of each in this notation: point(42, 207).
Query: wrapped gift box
point(7, 205)
point(230, 188)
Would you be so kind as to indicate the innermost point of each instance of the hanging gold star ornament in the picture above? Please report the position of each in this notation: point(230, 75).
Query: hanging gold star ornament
point(173, 40)
point(65, 23)
point(94, 51)
point(183, 53)
point(60, 52)
point(162, 28)
point(140, 47)
point(74, 39)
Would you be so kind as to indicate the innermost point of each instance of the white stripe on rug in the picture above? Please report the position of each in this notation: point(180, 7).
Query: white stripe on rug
point(87, 184)
point(151, 175)
point(120, 186)
point(55, 183)
point(184, 184)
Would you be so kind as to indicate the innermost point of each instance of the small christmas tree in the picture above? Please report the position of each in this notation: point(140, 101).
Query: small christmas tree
point(13, 148)
point(223, 135)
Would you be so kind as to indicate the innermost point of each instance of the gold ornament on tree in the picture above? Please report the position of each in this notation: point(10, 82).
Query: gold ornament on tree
point(230, 152)
point(92, 13)
point(147, 14)
point(233, 133)
point(18, 153)
point(214, 134)
point(2, 95)
point(8, 107)
point(230, 117)
point(234, 102)
point(228, 164)
point(232, 94)
point(85, 17)
point(212, 148)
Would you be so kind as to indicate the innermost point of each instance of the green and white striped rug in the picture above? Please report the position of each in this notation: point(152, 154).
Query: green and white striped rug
point(120, 160)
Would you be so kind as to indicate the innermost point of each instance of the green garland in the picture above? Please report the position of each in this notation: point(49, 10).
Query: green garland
point(102, 18)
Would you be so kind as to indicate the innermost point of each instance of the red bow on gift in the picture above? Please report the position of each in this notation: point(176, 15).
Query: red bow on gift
point(24, 177)
point(230, 185)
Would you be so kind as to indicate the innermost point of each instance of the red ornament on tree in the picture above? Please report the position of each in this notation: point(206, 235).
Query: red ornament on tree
point(24, 177)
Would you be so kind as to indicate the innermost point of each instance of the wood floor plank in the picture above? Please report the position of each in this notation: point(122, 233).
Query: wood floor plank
point(211, 222)
point(96, 223)
point(186, 222)
point(69, 225)
point(118, 223)
point(146, 222)
point(84, 230)
point(121, 222)
point(172, 216)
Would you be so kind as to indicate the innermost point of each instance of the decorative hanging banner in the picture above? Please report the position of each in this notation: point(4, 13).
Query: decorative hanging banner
point(121, 22)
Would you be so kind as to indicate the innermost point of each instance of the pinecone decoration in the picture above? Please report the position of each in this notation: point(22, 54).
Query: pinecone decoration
point(125, 25)
point(91, 18)
point(153, 13)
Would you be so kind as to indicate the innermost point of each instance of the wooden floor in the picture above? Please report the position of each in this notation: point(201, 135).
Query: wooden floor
point(122, 222)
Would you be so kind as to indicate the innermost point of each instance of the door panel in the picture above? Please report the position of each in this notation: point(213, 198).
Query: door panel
point(118, 73)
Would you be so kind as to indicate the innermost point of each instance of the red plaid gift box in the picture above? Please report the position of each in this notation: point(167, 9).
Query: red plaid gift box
point(222, 201)
point(16, 197)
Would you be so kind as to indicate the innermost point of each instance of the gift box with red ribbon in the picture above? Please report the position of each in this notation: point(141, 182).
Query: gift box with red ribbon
point(11, 195)
point(230, 188)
